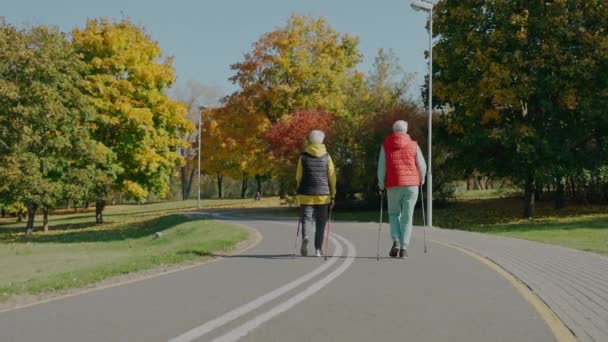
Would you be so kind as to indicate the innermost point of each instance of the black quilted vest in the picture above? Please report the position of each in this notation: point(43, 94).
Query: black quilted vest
point(314, 175)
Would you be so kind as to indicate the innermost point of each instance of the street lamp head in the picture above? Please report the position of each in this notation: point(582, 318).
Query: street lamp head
point(202, 107)
point(422, 6)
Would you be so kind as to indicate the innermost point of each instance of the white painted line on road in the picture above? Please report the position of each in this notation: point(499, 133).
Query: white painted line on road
point(244, 329)
point(240, 311)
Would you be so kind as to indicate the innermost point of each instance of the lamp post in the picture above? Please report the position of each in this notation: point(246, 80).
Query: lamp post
point(428, 7)
point(200, 133)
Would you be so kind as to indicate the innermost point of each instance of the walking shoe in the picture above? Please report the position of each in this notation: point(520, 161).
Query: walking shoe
point(304, 248)
point(318, 253)
point(403, 253)
point(394, 250)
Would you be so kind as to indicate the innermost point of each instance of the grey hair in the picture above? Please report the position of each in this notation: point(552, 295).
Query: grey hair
point(316, 137)
point(400, 126)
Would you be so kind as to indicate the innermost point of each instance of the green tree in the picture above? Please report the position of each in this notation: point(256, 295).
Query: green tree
point(44, 119)
point(524, 80)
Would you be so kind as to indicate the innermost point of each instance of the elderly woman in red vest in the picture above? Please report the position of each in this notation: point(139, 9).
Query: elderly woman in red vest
point(316, 178)
point(401, 170)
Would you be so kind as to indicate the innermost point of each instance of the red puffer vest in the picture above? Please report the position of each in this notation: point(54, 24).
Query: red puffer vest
point(400, 152)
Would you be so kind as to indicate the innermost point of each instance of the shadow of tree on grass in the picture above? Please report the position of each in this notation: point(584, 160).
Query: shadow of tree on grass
point(89, 232)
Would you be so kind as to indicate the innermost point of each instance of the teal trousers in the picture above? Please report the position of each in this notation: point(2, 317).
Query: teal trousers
point(401, 203)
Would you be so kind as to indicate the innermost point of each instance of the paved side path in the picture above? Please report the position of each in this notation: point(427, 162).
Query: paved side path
point(573, 283)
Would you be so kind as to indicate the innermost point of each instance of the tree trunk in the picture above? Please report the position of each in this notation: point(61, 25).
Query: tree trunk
point(478, 183)
point(282, 190)
point(219, 186)
point(574, 188)
point(560, 194)
point(3, 212)
point(45, 219)
point(186, 181)
point(190, 179)
point(529, 197)
point(468, 183)
point(19, 215)
point(538, 192)
point(258, 179)
point(182, 174)
point(503, 184)
point(31, 215)
point(244, 186)
point(99, 207)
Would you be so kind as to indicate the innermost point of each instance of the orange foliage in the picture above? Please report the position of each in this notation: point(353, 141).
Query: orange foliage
point(286, 137)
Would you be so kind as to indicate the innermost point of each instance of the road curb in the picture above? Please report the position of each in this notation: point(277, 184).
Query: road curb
point(558, 328)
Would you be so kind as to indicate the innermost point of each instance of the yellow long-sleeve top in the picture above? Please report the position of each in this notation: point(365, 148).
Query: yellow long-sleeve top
point(318, 150)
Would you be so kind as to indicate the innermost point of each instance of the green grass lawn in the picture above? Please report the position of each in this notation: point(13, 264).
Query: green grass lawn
point(585, 232)
point(487, 194)
point(577, 226)
point(76, 252)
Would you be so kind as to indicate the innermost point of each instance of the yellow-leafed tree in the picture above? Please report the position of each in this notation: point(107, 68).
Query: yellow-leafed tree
point(233, 143)
point(137, 119)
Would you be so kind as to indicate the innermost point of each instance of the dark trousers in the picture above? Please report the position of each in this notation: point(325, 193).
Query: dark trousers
point(315, 214)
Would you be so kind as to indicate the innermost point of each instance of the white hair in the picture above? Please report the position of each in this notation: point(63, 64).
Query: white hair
point(400, 126)
point(316, 137)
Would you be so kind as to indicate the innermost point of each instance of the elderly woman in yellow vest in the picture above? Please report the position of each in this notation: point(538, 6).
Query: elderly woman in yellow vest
point(316, 180)
point(401, 169)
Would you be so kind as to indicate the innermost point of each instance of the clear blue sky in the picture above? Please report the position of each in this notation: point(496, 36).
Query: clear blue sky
point(206, 36)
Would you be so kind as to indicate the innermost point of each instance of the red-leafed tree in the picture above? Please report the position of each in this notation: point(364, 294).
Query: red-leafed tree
point(287, 138)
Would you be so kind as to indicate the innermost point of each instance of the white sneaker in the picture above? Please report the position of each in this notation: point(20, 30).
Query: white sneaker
point(318, 253)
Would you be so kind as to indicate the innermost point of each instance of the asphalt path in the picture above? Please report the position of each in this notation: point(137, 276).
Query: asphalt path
point(266, 294)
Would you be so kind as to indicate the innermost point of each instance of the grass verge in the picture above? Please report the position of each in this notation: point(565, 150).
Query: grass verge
point(77, 252)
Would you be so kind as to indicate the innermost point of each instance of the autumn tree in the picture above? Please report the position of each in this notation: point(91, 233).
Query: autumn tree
point(233, 142)
point(137, 120)
point(193, 95)
point(287, 138)
point(218, 152)
point(303, 65)
point(248, 129)
point(526, 83)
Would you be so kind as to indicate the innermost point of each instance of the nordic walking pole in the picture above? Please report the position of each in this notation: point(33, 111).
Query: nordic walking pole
point(380, 225)
point(327, 237)
point(295, 244)
point(423, 216)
